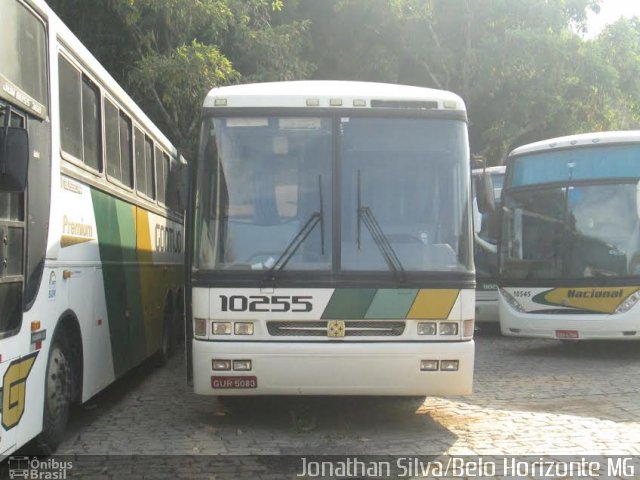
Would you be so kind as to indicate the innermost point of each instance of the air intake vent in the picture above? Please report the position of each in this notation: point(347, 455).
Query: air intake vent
point(413, 105)
point(354, 328)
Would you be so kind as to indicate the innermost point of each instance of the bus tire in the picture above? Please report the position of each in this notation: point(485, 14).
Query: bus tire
point(167, 344)
point(58, 392)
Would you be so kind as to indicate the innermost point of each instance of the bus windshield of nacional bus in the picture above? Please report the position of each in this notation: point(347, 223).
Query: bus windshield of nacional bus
point(272, 186)
point(572, 214)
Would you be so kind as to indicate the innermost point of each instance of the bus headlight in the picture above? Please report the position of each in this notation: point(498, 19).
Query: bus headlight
point(427, 328)
point(200, 327)
point(513, 303)
point(429, 365)
point(221, 364)
point(242, 365)
point(243, 328)
point(629, 302)
point(221, 328)
point(449, 365)
point(448, 328)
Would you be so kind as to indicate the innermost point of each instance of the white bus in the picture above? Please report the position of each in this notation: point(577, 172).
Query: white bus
point(91, 249)
point(332, 247)
point(570, 242)
point(485, 247)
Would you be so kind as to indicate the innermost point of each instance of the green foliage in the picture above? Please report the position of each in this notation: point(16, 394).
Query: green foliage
point(177, 84)
point(522, 67)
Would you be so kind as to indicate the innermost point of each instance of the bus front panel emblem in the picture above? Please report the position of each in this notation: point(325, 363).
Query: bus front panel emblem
point(336, 328)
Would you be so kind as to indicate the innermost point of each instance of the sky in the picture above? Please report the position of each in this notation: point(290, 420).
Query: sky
point(610, 11)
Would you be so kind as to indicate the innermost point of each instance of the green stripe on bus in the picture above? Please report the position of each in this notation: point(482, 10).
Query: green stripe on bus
point(391, 304)
point(117, 244)
point(349, 303)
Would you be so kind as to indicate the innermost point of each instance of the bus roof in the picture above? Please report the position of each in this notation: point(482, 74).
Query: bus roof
point(333, 94)
point(583, 139)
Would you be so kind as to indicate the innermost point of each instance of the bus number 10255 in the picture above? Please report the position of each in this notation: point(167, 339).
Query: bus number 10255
point(264, 303)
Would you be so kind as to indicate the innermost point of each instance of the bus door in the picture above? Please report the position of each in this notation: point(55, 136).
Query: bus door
point(12, 263)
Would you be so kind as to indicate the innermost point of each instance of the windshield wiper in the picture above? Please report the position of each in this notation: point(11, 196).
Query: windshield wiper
point(315, 219)
point(366, 216)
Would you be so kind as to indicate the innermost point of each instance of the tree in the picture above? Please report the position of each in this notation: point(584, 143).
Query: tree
point(169, 53)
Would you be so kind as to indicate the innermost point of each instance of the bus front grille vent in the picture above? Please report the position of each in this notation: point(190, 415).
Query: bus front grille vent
point(353, 328)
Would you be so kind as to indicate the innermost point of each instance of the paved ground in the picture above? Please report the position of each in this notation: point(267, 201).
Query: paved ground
point(531, 397)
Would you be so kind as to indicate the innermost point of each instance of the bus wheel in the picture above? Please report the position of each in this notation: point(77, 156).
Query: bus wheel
point(166, 347)
point(57, 400)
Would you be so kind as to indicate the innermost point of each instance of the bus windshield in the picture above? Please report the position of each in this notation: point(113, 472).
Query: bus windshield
point(588, 228)
point(268, 187)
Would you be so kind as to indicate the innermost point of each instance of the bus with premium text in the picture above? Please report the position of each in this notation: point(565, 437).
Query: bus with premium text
point(331, 248)
point(91, 232)
point(570, 238)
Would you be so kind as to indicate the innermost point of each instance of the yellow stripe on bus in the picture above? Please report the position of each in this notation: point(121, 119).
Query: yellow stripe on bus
point(433, 304)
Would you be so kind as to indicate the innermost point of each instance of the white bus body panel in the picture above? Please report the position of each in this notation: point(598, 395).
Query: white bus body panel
point(338, 368)
point(589, 326)
point(318, 365)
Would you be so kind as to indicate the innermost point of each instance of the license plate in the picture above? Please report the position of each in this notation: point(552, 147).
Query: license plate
point(567, 334)
point(234, 382)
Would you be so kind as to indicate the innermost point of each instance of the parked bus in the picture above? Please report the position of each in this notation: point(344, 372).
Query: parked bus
point(570, 242)
point(485, 247)
point(331, 250)
point(92, 244)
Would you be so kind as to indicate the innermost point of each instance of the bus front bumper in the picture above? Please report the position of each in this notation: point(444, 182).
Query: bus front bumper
point(568, 326)
point(335, 368)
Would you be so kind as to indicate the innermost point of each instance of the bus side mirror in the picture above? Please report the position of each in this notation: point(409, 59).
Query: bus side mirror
point(14, 159)
point(485, 195)
point(179, 184)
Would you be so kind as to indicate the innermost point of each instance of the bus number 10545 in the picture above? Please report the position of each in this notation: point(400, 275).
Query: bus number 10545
point(264, 303)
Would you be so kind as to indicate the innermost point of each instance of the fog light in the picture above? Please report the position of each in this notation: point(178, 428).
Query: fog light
point(427, 328)
point(467, 328)
point(244, 365)
point(448, 328)
point(200, 327)
point(221, 328)
point(243, 328)
point(221, 364)
point(449, 365)
point(429, 365)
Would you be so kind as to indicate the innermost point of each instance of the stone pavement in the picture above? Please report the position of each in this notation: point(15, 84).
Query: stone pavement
point(531, 397)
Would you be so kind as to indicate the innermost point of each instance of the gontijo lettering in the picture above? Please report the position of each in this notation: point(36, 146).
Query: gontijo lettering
point(168, 239)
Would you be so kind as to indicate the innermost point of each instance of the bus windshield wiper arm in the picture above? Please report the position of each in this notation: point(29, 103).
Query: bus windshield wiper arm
point(366, 216)
point(294, 245)
point(301, 236)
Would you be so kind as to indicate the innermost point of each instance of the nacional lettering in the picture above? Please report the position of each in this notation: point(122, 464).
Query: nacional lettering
point(595, 293)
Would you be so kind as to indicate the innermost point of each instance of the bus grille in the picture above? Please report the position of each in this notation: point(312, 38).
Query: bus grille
point(354, 328)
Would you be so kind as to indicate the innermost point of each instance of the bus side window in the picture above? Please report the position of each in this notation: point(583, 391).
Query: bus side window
point(141, 177)
point(70, 109)
point(126, 150)
point(112, 140)
point(91, 125)
point(160, 175)
point(79, 115)
point(149, 168)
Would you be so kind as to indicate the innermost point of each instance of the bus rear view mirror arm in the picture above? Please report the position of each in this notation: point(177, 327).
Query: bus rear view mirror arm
point(485, 194)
